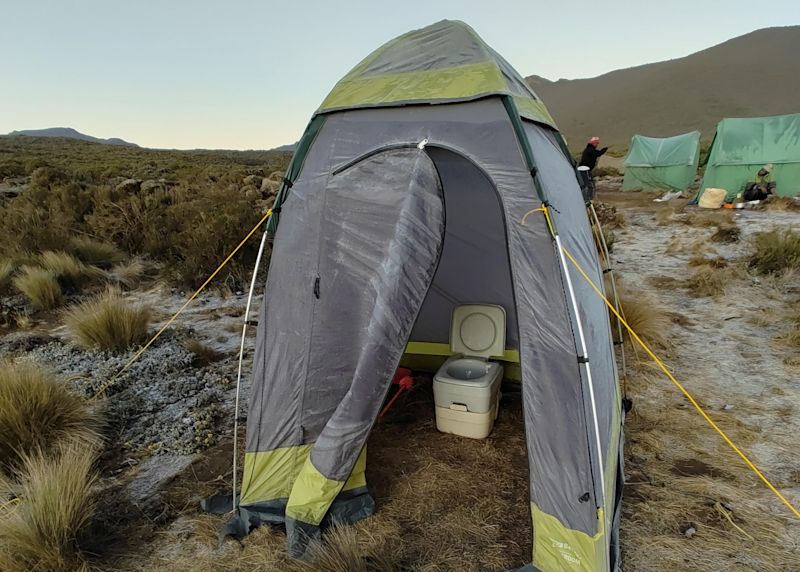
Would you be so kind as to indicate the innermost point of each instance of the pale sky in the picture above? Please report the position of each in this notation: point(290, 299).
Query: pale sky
point(238, 74)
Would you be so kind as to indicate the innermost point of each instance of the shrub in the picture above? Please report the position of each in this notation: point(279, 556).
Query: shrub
point(55, 506)
point(37, 413)
point(101, 254)
point(108, 322)
point(40, 286)
point(776, 251)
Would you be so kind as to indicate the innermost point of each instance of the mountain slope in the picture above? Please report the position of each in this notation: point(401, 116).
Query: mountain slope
point(70, 133)
point(753, 75)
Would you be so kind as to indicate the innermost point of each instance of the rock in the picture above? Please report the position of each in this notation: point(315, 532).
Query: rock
point(128, 186)
point(254, 180)
point(152, 184)
point(690, 532)
point(269, 187)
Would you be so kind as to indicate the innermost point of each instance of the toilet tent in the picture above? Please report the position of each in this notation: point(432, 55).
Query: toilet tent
point(666, 163)
point(406, 198)
point(742, 146)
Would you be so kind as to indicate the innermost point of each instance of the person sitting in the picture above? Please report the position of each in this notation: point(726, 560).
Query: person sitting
point(761, 189)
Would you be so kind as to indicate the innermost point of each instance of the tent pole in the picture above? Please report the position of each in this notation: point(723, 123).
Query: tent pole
point(239, 373)
point(585, 360)
point(602, 239)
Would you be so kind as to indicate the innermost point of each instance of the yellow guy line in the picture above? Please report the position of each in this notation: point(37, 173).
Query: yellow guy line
point(666, 371)
point(138, 354)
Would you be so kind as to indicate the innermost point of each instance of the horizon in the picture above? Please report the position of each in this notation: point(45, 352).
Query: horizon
point(205, 83)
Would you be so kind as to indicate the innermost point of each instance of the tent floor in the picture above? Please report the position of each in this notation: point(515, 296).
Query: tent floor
point(457, 503)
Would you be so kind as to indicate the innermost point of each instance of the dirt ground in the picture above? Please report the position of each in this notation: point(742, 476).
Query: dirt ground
point(446, 503)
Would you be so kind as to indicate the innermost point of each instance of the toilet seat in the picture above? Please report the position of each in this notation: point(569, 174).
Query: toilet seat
point(478, 330)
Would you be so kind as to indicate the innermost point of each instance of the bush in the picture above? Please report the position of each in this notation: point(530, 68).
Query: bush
point(37, 413)
point(108, 322)
point(40, 286)
point(727, 233)
point(101, 254)
point(55, 506)
point(776, 251)
point(203, 354)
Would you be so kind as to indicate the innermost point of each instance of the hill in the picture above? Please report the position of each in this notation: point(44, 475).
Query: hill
point(752, 75)
point(70, 133)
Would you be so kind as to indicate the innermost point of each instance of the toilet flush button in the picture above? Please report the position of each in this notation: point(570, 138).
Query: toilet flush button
point(478, 332)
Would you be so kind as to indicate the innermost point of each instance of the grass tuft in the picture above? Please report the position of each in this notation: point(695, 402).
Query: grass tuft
point(776, 252)
point(203, 354)
point(707, 281)
point(96, 253)
point(40, 286)
point(645, 318)
point(69, 271)
point(37, 413)
point(108, 322)
point(54, 508)
point(727, 233)
point(128, 274)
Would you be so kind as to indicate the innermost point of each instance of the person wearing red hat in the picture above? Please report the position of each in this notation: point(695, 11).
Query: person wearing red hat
point(591, 154)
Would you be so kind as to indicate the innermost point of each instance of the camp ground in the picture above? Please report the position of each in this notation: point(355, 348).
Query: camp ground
point(421, 338)
point(665, 163)
point(742, 146)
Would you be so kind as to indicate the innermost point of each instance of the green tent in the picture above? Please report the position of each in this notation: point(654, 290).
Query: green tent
point(667, 163)
point(742, 146)
point(406, 198)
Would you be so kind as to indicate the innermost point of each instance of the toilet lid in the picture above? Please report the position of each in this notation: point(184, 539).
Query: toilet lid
point(478, 330)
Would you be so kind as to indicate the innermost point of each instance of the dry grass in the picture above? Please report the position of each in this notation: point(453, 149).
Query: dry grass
point(776, 252)
point(40, 286)
point(96, 253)
point(646, 318)
point(675, 483)
point(42, 530)
point(68, 270)
point(781, 204)
point(128, 274)
point(727, 233)
point(108, 322)
point(203, 354)
point(444, 503)
point(6, 273)
point(707, 281)
point(37, 413)
point(703, 260)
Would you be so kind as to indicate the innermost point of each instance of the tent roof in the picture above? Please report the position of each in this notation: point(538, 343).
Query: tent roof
point(663, 151)
point(441, 63)
point(757, 140)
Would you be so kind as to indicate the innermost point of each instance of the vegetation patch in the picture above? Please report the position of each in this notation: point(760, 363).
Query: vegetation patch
point(96, 253)
point(108, 322)
point(645, 318)
point(40, 286)
point(37, 413)
point(52, 510)
point(776, 252)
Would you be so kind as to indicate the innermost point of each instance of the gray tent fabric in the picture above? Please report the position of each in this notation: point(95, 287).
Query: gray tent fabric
point(399, 214)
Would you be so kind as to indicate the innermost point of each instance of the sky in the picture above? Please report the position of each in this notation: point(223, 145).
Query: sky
point(238, 74)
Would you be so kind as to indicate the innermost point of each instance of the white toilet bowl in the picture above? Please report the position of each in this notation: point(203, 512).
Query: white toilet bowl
point(466, 388)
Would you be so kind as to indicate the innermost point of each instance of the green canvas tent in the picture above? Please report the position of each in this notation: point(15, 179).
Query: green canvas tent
point(742, 146)
point(667, 163)
point(405, 199)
